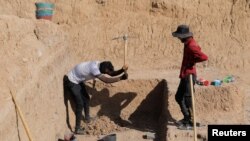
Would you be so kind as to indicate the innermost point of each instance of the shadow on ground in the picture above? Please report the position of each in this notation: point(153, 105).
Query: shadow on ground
point(68, 102)
point(151, 115)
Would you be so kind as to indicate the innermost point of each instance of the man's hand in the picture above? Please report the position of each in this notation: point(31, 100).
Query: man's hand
point(119, 72)
point(124, 76)
point(205, 64)
point(94, 82)
point(125, 67)
point(190, 65)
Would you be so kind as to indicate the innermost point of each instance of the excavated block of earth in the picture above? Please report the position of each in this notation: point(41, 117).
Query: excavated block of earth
point(213, 105)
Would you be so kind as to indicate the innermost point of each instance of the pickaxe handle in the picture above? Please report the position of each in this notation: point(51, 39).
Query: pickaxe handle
point(125, 51)
point(125, 38)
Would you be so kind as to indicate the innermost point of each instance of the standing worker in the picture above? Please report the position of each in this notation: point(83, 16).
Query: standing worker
point(192, 54)
point(74, 81)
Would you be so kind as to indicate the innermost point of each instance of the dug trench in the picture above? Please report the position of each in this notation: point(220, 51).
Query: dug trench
point(148, 106)
point(129, 105)
point(132, 109)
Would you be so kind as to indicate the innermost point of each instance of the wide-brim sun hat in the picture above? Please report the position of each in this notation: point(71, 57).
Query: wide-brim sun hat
point(182, 32)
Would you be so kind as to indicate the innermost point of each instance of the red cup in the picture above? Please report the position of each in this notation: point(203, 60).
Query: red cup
point(206, 83)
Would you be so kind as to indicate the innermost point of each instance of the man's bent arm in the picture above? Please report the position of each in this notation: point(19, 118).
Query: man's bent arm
point(108, 79)
point(198, 55)
point(115, 73)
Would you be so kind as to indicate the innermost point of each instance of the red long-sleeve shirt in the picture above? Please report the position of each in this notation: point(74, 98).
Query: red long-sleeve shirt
point(192, 54)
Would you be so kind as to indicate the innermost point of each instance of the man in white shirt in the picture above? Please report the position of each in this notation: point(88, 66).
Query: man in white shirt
point(74, 81)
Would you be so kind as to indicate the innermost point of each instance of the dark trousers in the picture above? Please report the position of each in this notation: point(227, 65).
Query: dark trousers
point(81, 98)
point(184, 99)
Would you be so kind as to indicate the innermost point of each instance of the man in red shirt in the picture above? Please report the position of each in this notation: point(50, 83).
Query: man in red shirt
point(192, 55)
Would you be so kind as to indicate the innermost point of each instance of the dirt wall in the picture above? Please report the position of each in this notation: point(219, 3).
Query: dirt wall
point(32, 68)
point(37, 53)
point(220, 27)
point(216, 104)
point(213, 105)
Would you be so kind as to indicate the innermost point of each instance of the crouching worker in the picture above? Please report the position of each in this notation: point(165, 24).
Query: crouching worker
point(75, 79)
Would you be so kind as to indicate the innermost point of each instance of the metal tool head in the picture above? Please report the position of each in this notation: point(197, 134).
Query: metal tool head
point(124, 37)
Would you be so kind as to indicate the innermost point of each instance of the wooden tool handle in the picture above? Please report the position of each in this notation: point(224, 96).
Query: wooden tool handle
point(193, 105)
point(22, 117)
point(125, 51)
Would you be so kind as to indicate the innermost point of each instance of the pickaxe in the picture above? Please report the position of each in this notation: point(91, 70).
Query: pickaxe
point(125, 38)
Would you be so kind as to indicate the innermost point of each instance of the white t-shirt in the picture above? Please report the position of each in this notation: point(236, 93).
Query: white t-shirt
point(84, 71)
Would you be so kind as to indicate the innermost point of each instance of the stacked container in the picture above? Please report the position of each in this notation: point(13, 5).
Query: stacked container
point(228, 79)
point(216, 82)
point(44, 10)
point(202, 82)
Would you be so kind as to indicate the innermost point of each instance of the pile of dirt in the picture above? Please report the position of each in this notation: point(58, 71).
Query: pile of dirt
point(103, 126)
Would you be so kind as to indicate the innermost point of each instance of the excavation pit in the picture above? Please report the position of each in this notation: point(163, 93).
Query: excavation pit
point(127, 105)
point(139, 107)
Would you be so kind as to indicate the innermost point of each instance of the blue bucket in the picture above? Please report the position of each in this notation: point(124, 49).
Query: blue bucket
point(44, 10)
point(41, 5)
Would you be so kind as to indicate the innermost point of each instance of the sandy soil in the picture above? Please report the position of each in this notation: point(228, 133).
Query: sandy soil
point(37, 53)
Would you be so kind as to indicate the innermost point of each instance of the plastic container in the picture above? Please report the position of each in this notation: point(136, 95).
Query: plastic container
point(206, 83)
point(216, 82)
point(44, 10)
point(228, 79)
point(44, 5)
point(202, 82)
point(44, 17)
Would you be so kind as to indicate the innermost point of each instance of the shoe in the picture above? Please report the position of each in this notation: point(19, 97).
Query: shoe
point(197, 124)
point(89, 119)
point(182, 122)
point(185, 127)
point(80, 131)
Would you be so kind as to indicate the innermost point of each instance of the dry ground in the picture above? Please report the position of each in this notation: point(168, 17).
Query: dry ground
point(36, 54)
